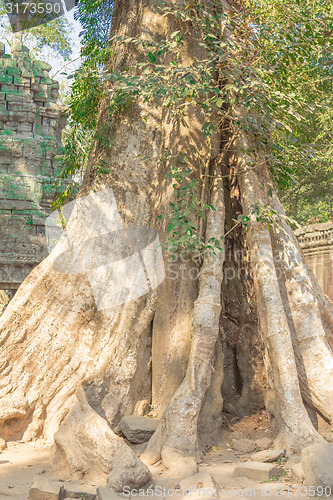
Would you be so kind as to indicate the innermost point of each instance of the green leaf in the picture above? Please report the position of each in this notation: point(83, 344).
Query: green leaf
point(243, 218)
point(152, 57)
point(171, 226)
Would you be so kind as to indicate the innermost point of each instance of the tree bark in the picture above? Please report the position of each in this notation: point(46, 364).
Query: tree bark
point(175, 440)
point(68, 365)
point(313, 354)
point(296, 429)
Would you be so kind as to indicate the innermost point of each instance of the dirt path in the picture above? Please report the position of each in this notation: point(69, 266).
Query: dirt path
point(21, 463)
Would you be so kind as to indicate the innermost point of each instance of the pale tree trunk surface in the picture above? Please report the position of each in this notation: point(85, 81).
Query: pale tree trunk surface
point(176, 437)
point(296, 427)
point(68, 367)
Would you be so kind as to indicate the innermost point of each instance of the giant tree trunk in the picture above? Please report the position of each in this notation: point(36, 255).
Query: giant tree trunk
point(69, 366)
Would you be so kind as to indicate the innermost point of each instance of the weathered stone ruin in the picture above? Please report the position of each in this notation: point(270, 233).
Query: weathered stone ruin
point(31, 124)
point(316, 241)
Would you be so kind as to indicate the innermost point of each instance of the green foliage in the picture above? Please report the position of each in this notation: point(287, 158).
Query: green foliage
point(54, 36)
point(294, 40)
point(95, 18)
point(86, 93)
point(29, 220)
point(275, 67)
point(269, 217)
point(77, 146)
point(88, 81)
point(182, 223)
point(272, 78)
point(172, 84)
point(87, 88)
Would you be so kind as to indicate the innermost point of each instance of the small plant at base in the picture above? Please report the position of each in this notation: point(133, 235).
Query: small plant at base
point(274, 478)
point(151, 413)
point(30, 220)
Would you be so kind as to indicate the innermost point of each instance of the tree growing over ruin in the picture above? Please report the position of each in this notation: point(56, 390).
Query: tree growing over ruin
point(53, 37)
point(186, 141)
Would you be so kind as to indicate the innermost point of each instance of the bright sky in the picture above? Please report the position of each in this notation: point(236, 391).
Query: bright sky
point(76, 46)
point(76, 30)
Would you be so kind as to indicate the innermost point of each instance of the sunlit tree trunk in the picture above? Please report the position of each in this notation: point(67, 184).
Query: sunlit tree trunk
point(68, 365)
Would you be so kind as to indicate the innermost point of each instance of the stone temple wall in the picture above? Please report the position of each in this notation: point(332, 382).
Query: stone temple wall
point(316, 241)
point(31, 124)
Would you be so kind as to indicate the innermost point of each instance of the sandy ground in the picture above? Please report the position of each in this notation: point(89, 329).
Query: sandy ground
point(21, 463)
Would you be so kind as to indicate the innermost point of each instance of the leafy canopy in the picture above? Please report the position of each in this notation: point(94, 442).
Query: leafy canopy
point(294, 45)
point(86, 89)
point(277, 67)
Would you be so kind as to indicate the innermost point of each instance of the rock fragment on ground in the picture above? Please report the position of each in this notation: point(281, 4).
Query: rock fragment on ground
point(244, 445)
point(77, 492)
point(139, 448)
point(45, 489)
point(268, 455)
point(104, 493)
point(201, 485)
point(257, 471)
point(296, 472)
point(264, 443)
point(138, 429)
point(128, 470)
point(317, 462)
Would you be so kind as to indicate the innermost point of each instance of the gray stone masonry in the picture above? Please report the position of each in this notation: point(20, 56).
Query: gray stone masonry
point(31, 124)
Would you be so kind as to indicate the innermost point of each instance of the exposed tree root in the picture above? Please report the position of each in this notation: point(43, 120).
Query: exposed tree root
point(296, 430)
point(86, 448)
point(172, 331)
point(175, 440)
point(53, 339)
point(210, 418)
point(313, 355)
